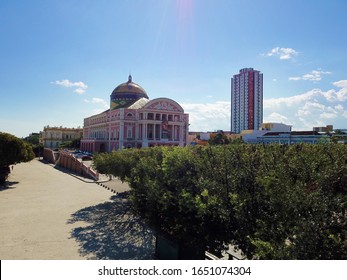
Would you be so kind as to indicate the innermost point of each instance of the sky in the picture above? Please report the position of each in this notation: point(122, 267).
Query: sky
point(60, 60)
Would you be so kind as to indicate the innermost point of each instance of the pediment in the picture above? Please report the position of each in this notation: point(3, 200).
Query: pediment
point(164, 104)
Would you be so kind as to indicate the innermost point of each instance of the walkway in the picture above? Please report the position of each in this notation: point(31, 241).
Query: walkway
point(48, 214)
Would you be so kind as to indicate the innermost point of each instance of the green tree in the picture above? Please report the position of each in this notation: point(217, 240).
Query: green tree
point(271, 201)
point(13, 150)
point(302, 212)
point(73, 144)
point(34, 140)
point(339, 135)
point(218, 139)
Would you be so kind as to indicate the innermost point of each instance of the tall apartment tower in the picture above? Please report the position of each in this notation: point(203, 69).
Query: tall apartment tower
point(246, 100)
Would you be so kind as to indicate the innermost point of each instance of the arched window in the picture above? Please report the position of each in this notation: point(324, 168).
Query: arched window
point(129, 131)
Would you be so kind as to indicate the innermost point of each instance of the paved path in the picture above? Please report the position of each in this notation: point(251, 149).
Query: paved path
point(48, 214)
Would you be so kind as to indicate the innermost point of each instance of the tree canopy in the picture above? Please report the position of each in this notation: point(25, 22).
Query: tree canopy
point(271, 201)
point(14, 150)
point(34, 140)
point(218, 138)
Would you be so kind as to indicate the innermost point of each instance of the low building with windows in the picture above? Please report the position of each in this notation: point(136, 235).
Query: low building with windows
point(54, 136)
point(293, 137)
point(253, 136)
point(324, 129)
point(135, 121)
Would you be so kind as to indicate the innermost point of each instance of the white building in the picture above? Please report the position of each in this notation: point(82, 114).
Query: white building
point(252, 136)
point(276, 127)
point(54, 136)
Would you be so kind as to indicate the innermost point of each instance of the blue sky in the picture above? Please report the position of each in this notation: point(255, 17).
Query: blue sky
point(60, 60)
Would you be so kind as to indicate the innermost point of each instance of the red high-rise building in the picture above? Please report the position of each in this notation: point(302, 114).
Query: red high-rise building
point(246, 100)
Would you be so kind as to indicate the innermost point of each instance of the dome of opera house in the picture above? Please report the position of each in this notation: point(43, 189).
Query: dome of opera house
point(126, 94)
point(129, 88)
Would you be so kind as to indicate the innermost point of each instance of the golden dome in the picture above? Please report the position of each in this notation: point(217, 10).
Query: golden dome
point(130, 87)
point(126, 94)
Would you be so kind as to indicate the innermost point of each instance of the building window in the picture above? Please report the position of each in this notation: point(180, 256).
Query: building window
point(129, 132)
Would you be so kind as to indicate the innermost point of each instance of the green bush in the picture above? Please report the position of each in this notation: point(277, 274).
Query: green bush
point(14, 150)
point(271, 201)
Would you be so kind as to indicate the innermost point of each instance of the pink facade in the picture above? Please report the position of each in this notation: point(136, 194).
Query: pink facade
point(143, 123)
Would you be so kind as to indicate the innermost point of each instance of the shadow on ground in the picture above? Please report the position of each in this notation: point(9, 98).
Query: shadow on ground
point(112, 232)
point(8, 185)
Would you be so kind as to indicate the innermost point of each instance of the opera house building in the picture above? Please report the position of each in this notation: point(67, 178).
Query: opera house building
point(135, 121)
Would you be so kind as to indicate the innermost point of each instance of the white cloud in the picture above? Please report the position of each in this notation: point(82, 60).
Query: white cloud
point(327, 115)
point(341, 84)
point(290, 101)
point(99, 101)
point(67, 83)
point(294, 78)
point(314, 75)
point(80, 90)
point(96, 100)
point(208, 116)
point(282, 53)
point(341, 95)
point(339, 107)
point(332, 95)
point(97, 111)
point(80, 86)
point(276, 117)
point(313, 108)
point(100, 105)
point(303, 111)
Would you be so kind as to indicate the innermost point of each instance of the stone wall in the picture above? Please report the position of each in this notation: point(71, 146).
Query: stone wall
point(68, 161)
point(48, 155)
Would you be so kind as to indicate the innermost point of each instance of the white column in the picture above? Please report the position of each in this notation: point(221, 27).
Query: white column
point(144, 135)
point(181, 135)
point(137, 132)
point(121, 135)
point(121, 129)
